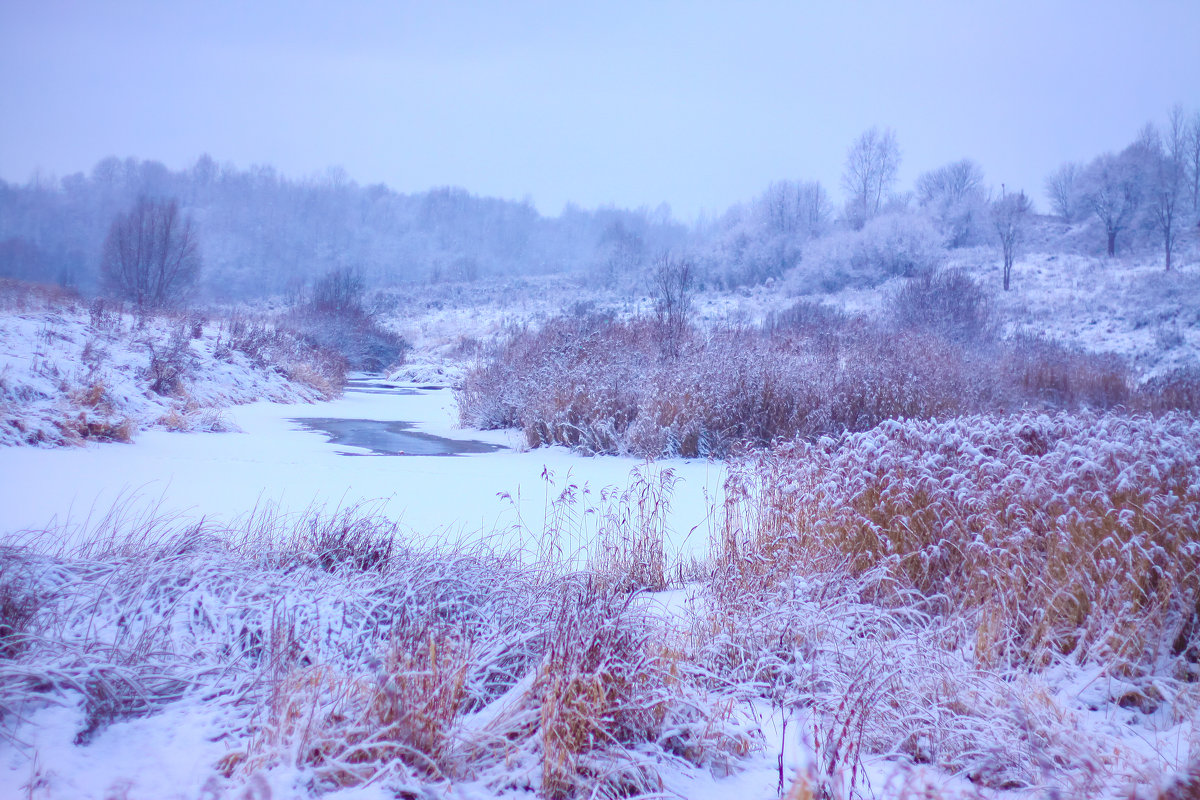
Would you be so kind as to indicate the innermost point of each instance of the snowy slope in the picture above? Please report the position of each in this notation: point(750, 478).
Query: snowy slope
point(70, 373)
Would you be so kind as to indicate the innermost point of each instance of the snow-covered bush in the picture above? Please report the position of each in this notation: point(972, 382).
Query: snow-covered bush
point(893, 244)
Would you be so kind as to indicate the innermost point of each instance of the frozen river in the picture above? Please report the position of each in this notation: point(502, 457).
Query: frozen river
point(440, 482)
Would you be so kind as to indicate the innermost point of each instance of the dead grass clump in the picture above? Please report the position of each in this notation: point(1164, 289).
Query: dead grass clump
point(599, 689)
point(351, 540)
point(1072, 534)
point(631, 531)
point(20, 601)
point(1061, 378)
point(350, 728)
point(99, 428)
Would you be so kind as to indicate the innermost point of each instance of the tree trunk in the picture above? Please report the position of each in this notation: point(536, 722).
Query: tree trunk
point(1112, 243)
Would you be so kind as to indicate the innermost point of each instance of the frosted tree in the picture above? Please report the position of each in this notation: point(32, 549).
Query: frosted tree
point(794, 209)
point(1009, 214)
point(871, 166)
point(1193, 159)
point(1113, 191)
point(672, 284)
point(150, 256)
point(954, 196)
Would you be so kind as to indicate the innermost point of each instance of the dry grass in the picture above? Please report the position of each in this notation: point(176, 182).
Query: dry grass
point(603, 386)
point(342, 653)
point(1064, 535)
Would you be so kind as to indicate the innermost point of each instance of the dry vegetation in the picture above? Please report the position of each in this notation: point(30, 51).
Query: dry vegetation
point(342, 653)
point(606, 386)
point(912, 598)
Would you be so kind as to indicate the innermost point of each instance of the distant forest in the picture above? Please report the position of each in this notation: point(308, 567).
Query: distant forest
point(261, 234)
point(264, 234)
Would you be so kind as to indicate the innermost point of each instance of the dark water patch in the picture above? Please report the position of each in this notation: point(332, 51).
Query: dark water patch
point(391, 438)
point(379, 386)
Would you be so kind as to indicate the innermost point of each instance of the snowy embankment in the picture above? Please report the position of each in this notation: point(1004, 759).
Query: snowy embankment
point(73, 373)
point(271, 462)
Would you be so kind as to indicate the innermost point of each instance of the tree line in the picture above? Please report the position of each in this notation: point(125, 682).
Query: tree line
point(141, 231)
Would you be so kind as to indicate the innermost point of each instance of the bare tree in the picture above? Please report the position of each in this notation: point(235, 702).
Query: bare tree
point(1062, 188)
point(1008, 216)
point(1167, 178)
point(150, 256)
point(795, 209)
point(871, 166)
point(339, 291)
point(672, 285)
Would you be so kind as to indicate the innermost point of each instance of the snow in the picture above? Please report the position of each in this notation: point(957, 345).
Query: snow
point(273, 462)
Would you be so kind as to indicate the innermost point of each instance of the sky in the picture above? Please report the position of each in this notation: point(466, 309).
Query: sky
point(697, 105)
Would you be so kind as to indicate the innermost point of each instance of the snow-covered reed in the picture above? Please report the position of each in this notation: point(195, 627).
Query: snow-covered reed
point(602, 385)
point(340, 652)
point(1071, 534)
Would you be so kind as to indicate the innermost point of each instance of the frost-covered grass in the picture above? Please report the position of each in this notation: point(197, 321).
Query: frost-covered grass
point(1005, 607)
point(74, 371)
point(604, 385)
point(338, 655)
point(1065, 536)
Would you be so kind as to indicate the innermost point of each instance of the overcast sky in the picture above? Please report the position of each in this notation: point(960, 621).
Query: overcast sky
point(698, 105)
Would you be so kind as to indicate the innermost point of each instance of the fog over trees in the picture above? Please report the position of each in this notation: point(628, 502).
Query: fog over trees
point(263, 234)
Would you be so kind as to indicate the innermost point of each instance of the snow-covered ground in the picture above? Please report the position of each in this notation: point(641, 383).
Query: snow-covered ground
point(270, 461)
point(54, 358)
point(1130, 307)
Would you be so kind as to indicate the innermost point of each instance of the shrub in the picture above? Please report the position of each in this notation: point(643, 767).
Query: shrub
point(946, 302)
point(171, 363)
point(896, 244)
